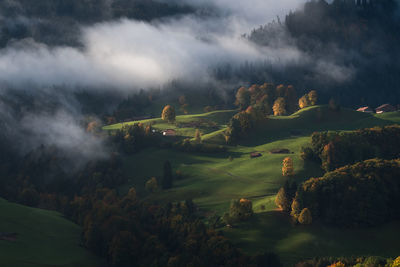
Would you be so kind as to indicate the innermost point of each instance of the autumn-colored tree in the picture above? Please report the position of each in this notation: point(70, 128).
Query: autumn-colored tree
point(208, 109)
point(168, 113)
point(93, 127)
point(131, 194)
point(280, 91)
point(396, 262)
point(328, 157)
point(287, 167)
point(243, 98)
point(264, 104)
point(337, 264)
point(148, 130)
point(304, 102)
point(313, 97)
point(152, 185)
point(197, 136)
point(279, 107)
point(282, 199)
point(305, 216)
point(240, 209)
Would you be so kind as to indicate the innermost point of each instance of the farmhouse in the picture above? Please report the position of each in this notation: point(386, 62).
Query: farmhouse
point(169, 132)
point(365, 109)
point(255, 155)
point(385, 108)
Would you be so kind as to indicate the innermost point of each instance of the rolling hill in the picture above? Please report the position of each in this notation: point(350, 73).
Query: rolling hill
point(212, 180)
point(43, 238)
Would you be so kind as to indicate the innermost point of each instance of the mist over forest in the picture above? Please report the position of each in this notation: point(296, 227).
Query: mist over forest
point(191, 132)
point(57, 49)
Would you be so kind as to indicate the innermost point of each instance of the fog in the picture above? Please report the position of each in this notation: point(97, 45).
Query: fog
point(125, 55)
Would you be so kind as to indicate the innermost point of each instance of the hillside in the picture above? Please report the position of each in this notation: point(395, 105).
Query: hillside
point(44, 238)
point(212, 180)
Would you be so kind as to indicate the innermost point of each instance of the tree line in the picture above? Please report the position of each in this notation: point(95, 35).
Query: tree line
point(336, 149)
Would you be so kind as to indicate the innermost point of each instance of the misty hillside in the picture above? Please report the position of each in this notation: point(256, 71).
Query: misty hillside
point(210, 133)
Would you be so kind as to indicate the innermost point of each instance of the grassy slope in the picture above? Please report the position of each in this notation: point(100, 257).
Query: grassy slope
point(44, 239)
point(212, 181)
point(221, 117)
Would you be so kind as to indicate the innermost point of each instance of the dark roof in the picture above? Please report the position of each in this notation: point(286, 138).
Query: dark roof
point(385, 107)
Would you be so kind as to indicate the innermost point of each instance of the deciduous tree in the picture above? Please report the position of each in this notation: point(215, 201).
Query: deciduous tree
point(168, 113)
point(305, 216)
point(279, 107)
point(287, 167)
point(243, 98)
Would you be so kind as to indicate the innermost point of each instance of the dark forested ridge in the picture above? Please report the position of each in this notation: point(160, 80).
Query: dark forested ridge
point(359, 42)
point(44, 20)
point(366, 193)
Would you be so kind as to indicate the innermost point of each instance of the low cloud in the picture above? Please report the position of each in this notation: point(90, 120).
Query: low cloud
point(130, 54)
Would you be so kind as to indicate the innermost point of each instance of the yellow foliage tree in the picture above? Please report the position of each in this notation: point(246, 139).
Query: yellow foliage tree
point(168, 113)
point(337, 264)
point(303, 102)
point(287, 167)
point(279, 107)
point(197, 136)
point(396, 262)
point(313, 97)
point(305, 216)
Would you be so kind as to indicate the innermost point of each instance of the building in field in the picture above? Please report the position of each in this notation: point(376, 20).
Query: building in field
point(169, 132)
point(365, 109)
point(385, 108)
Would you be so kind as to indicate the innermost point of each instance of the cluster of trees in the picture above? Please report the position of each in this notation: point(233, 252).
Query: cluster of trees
point(308, 100)
point(240, 210)
point(352, 38)
point(268, 98)
point(259, 101)
point(121, 228)
point(366, 193)
point(128, 231)
point(243, 123)
point(133, 138)
point(285, 196)
point(350, 261)
point(43, 20)
point(336, 149)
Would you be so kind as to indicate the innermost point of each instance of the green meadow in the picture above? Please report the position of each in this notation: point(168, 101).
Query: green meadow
point(213, 180)
point(44, 238)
